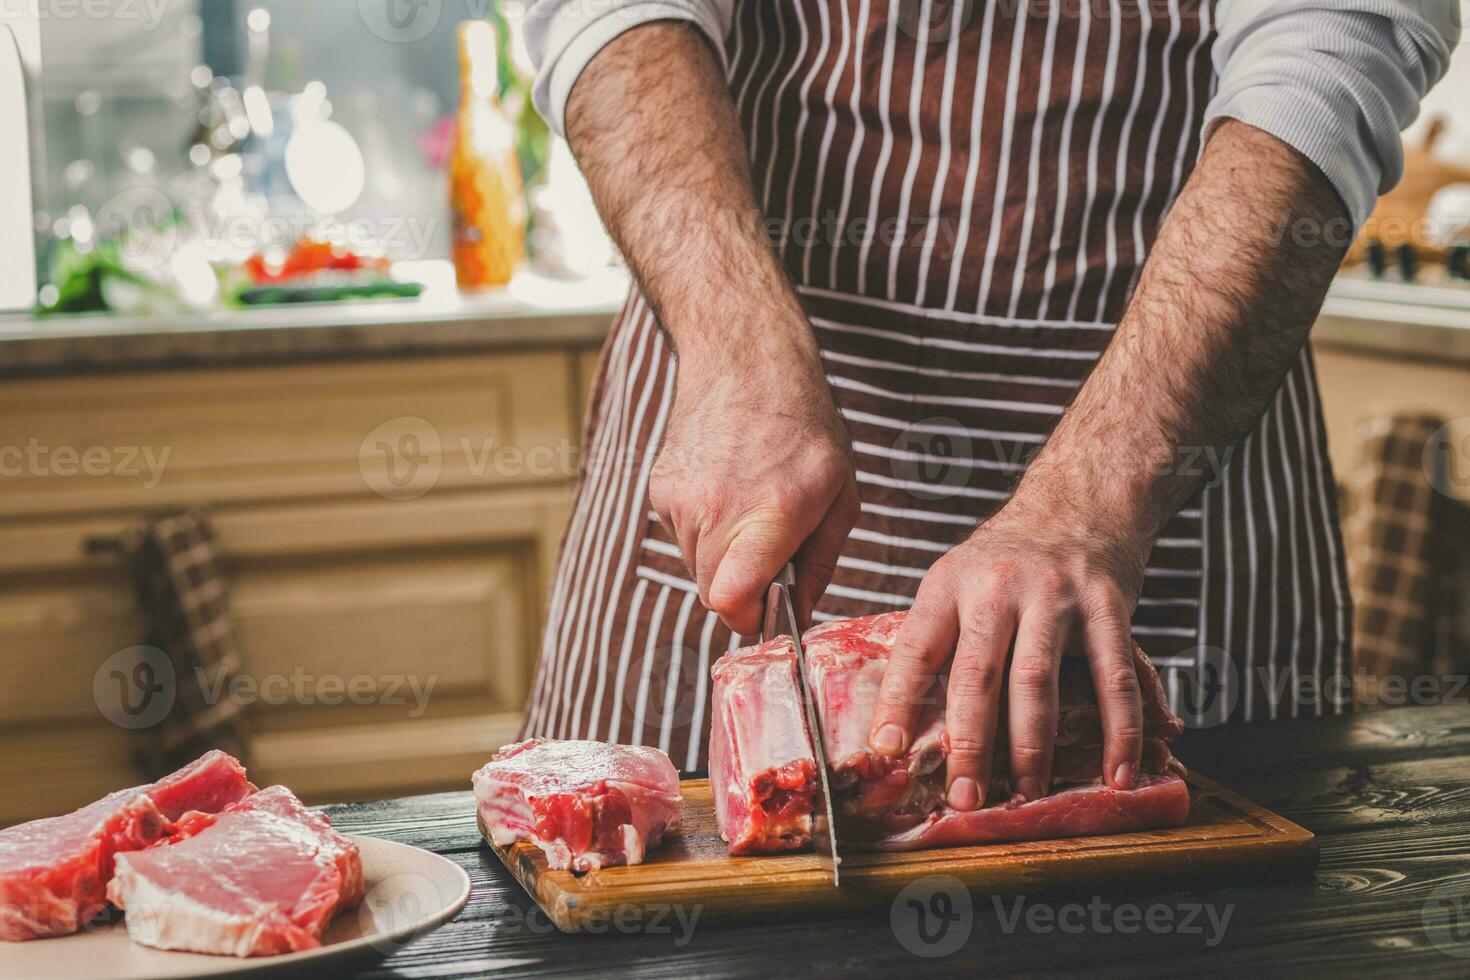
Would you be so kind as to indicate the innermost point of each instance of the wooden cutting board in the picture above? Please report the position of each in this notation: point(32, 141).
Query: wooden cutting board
point(1227, 838)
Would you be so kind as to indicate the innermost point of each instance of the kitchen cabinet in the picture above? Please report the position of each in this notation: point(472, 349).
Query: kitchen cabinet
point(433, 587)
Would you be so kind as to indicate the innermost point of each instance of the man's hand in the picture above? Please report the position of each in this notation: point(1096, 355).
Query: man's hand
point(1222, 310)
point(755, 468)
point(1043, 581)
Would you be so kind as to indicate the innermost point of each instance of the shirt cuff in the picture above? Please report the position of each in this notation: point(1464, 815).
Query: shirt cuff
point(1323, 134)
point(581, 36)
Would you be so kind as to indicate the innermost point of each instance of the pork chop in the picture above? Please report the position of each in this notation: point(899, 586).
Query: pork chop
point(586, 805)
point(54, 872)
point(264, 876)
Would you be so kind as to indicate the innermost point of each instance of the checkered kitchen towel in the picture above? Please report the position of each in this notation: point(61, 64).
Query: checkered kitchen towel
point(174, 562)
point(1407, 560)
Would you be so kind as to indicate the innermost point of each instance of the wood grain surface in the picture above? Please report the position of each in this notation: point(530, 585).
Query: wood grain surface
point(1387, 794)
point(1227, 838)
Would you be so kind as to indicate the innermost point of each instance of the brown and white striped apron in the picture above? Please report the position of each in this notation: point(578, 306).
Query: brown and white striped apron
point(967, 191)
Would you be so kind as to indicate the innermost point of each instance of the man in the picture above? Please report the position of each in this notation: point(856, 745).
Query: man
point(910, 311)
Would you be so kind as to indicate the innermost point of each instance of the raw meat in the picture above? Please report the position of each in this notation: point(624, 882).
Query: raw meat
point(264, 876)
point(1085, 810)
point(587, 805)
point(876, 794)
point(761, 770)
point(898, 803)
point(54, 872)
point(872, 793)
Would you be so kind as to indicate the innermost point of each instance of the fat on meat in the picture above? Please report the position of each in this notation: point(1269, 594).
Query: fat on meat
point(761, 770)
point(262, 877)
point(898, 803)
point(586, 805)
point(54, 871)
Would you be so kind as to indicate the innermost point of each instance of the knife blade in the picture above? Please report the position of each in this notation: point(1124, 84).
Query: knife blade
point(779, 605)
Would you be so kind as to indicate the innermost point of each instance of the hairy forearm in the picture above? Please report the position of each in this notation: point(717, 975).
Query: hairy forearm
point(654, 130)
point(1221, 312)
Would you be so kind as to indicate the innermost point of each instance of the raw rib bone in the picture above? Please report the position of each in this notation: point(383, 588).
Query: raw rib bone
point(54, 872)
point(586, 805)
point(762, 774)
point(262, 877)
point(898, 804)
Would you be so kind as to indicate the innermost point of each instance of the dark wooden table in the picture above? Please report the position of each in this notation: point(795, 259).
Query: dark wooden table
point(1387, 793)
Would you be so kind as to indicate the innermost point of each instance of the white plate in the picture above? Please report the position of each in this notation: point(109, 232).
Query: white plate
point(410, 891)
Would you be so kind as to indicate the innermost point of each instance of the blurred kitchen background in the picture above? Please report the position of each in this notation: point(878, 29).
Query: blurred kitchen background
point(292, 400)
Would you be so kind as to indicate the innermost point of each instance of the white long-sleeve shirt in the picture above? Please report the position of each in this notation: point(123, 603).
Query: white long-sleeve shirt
point(1336, 79)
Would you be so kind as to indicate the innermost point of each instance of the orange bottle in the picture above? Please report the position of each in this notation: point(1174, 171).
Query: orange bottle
point(485, 189)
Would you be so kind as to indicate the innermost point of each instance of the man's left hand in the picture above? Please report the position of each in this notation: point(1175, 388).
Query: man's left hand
point(1037, 579)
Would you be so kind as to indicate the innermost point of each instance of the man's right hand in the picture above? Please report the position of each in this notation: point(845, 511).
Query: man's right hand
point(755, 470)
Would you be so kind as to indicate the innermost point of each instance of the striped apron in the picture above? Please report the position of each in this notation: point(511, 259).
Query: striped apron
point(963, 194)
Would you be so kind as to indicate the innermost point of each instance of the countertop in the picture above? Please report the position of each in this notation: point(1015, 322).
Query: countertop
point(1378, 316)
point(531, 312)
point(1368, 315)
point(1387, 792)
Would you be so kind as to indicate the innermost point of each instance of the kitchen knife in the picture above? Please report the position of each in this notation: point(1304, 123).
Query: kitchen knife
point(778, 607)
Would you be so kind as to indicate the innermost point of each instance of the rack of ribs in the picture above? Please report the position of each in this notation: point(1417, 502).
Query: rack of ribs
point(897, 803)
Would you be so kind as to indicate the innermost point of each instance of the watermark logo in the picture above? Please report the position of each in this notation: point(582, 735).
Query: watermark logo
point(135, 688)
point(1097, 916)
point(394, 909)
point(147, 14)
point(1209, 687)
point(401, 459)
point(933, 458)
point(142, 221)
point(1446, 916)
point(667, 678)
point(933, 916)
point(934, 21)
point(1447, 459)
point(40, 459)
point(400, 21)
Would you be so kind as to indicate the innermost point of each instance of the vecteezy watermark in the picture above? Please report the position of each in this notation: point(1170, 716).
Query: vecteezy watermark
point(676, 920)
point(148, 14)
point(1446, 917)
point(934, 21)
point(1447, 459)
point(36, 458)
point(136, 688)
point(404, 458)
point(148, 228)
point(662, 685)
point(302, 688)
point(401, 459)
point(1209, 686)
point(1097, 916)
point(400, 907)
point(933, 459)
point(933, 916)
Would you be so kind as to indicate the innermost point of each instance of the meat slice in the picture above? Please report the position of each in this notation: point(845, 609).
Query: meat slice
point(54, 872)
point(264, 876)
point(1086, 810)
point(761, 770)
point(586, 805)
